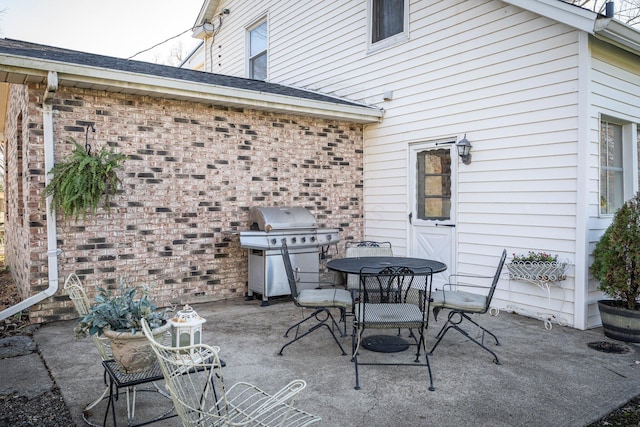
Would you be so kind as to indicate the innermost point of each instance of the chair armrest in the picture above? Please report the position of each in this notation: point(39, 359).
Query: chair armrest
point(465, 285)
point(254, 402)
point(286, 393)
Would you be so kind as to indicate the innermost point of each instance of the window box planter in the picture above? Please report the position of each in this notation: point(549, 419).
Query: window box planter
point(538, 271)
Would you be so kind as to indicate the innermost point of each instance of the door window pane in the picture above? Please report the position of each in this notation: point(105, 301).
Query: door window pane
point(434, 185)
point(611, 170)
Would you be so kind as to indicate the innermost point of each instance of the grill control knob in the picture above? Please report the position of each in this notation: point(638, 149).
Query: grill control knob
point(303, 239)
point(273, 241)
point(313, 239)
point(293, 240)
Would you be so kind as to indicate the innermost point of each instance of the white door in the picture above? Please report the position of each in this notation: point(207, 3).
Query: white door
point(432, 226)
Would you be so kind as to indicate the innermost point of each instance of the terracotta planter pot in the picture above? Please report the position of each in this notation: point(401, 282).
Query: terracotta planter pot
point(132, 352)
point(619, 323)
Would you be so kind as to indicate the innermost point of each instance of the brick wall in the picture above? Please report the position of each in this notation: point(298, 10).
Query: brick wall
point(17, 237)
point(193, 172)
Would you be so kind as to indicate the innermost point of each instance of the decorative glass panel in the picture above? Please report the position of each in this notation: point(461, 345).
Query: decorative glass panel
point(434, 185)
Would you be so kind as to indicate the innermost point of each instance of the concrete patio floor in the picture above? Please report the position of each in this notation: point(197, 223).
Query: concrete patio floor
point(546, 377)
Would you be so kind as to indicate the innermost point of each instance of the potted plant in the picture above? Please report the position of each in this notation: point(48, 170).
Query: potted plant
point(118, 317)
point(537, 267)
point(80, 182)
point(616, 265)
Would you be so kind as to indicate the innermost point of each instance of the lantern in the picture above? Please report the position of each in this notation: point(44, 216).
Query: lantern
point(186, 327)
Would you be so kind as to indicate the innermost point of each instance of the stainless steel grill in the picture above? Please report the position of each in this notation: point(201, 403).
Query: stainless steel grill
point(268, 226)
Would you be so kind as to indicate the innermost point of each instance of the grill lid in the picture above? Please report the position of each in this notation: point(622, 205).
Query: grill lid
point(280, 218)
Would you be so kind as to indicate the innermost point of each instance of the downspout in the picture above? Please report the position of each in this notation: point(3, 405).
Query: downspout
point(52, 249)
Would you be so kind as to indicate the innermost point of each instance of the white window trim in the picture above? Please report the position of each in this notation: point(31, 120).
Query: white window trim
point(390, 41)
point(247, 44)
point(629, 158)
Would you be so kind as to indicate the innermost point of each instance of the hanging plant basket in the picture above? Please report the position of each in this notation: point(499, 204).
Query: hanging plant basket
point(538, 271)
point(80, 182)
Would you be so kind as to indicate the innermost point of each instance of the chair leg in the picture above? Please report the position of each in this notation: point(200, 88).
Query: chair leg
point(98, 400)
point(356, 337)
point(355, 345)
point(455, 325)
point(483, 329)
point(420, 343)
point(321, 322)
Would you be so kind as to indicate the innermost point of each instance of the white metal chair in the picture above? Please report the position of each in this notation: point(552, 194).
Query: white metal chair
point(319, 300)
point(193, 377)
point(75, 290)
point(365, 248)
point(462, 303)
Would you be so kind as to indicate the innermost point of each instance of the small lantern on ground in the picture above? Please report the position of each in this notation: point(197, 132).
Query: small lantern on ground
point(186, 327)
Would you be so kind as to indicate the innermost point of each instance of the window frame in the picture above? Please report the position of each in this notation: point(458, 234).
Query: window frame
point(629, 152)
point(446, 176)
point(250, 58)
point(398, 38)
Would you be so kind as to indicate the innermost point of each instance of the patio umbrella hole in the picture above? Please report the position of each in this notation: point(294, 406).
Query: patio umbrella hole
point(609, 347)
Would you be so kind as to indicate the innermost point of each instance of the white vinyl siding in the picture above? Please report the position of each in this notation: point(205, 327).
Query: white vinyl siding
point(615, 93)
point(521, 86)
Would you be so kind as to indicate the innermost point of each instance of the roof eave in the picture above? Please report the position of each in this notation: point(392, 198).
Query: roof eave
point(576, 17)
point(206, 12)
point(618, 34)
point(17, 69)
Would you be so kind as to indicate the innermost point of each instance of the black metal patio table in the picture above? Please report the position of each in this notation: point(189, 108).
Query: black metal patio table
point(385, 343)
point(355, 264)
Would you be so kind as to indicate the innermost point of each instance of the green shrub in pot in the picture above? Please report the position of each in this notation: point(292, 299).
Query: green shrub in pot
point(616, 258)
point(121, 311)
point(616, 265)
point(118, 316)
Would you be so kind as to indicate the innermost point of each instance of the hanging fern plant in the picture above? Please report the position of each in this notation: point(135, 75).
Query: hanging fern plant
point(83, 180)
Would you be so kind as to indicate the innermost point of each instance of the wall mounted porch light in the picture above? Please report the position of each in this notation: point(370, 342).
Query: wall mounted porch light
point(464, 150)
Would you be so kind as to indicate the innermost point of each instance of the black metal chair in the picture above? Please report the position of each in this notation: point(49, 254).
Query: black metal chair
point(392, 298)
point(319, 300)
point(463, 303)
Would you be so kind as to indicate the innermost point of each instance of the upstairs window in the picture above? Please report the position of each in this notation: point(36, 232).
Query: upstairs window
point(257, 63)
point(389, 20)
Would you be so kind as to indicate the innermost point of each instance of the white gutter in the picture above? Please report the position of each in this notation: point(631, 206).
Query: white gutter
point(616, 33)
point(103, 79)
point(52, 250)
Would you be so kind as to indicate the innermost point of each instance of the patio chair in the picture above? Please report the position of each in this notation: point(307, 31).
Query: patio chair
point(362, 249)
point(318, 300)
point(75, 290)
point(462, 304)
point(193, 378)
point(393, 298)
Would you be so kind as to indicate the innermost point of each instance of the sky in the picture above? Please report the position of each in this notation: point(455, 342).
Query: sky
point(119, 28)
